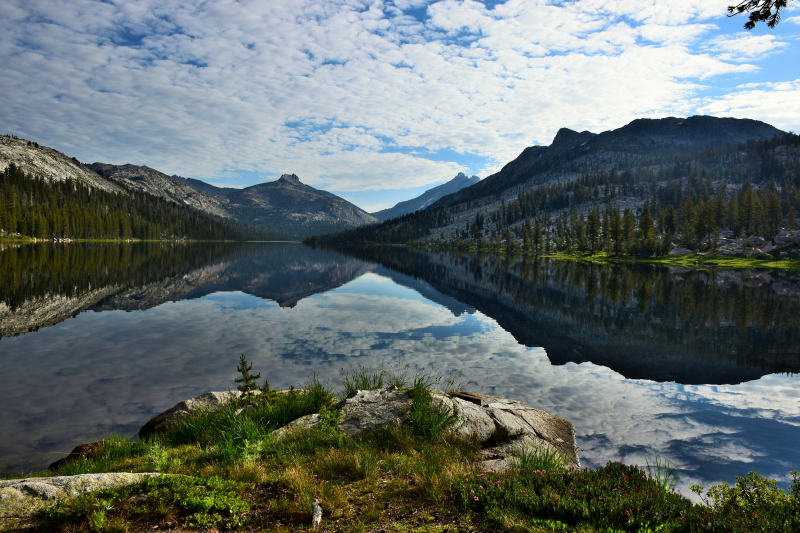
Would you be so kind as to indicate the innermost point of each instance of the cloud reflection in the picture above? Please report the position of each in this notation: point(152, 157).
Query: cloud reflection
point(111, 371)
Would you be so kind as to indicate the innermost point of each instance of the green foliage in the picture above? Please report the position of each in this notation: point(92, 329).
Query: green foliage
point(662, 473)
point(197, 502)
point(247, 380)
point(228, 432)
point(543, 458)
point(363, 378)
point(429, 415)
point(754, 503)
point(617, 497)
point(38, 207)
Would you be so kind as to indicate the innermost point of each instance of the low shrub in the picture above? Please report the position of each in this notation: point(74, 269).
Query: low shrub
point(617, 497)
point(752, 504)
point(196, 502)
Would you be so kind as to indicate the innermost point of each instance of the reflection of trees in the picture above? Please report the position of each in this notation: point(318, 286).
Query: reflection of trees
point(631, 309)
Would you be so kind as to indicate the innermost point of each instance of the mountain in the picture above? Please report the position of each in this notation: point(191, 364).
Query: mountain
point(202, 186)
point(48, 195)
point(286, 206)
point(151, 181)
point(428, 197)
point(692, 174)
point(572, 153)
point(292, 207)
point(50, 164)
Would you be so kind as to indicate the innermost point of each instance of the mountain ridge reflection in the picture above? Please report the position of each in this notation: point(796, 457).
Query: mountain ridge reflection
point(644, 322)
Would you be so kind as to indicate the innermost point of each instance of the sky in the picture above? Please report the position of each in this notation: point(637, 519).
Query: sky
point(374, 100)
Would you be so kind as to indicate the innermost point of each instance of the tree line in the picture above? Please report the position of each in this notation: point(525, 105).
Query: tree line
point(37, 207)
point(640, 206)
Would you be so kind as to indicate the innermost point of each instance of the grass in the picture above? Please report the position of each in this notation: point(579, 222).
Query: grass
point(689, 261)
point(227, 472)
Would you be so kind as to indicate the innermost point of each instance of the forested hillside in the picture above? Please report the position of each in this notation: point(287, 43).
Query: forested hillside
point(37, 207)
point(702, 196)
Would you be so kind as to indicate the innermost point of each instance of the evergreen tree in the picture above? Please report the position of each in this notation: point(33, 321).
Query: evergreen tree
point(247, 380)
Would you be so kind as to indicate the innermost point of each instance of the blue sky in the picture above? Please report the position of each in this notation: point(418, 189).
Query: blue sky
point(373, 100)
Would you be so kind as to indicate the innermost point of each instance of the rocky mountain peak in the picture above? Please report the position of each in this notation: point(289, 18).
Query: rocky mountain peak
point(290, 178)
point(567, 138)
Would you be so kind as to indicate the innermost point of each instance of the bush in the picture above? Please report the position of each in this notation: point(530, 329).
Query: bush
point(198, 502)
point(617, 496)
point(753, 504)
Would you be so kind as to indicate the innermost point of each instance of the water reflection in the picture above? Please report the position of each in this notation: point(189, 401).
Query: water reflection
point(644, 321)
point(295, 310)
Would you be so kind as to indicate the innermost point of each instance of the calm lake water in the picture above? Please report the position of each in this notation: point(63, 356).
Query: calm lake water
point(699, 367)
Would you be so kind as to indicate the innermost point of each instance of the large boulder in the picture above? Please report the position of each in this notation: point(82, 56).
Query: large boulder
point(523, 426)
point(366, 410)
point(504, 427)
point(20, 498)
point(205, 402)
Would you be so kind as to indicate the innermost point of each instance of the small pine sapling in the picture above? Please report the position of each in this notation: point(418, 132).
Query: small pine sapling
point(248, 380)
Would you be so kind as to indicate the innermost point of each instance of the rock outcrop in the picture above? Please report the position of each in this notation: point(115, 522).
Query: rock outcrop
point(506, 428)
point(205, 402)
point(49, 164)
point(367, 410)
point(20, 498)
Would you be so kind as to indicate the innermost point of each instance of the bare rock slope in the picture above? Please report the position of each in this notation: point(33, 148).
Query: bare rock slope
point(149, 180)
point(49, 163)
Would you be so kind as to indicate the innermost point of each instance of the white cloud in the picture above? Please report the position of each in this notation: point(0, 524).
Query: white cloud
point(775, 103)
point(744, 47)
point(321, 88)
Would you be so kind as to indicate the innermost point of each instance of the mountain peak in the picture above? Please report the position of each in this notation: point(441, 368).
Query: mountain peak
point(290, 178)
point(567, 138)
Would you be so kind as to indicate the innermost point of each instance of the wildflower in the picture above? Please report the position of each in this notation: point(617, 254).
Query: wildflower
point(476, 498)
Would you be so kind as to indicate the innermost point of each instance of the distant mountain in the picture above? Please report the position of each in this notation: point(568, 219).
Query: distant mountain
point(292, 207)
point(428, 197)
point(285, 206)
point(572, 153)
point(653, 163)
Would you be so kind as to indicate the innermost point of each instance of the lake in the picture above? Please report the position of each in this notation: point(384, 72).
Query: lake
point(695, 366)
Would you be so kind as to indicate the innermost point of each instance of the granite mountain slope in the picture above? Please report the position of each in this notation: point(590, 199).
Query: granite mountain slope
point(50, 164)
point(619, 169)
point(428, 197)
point(149, 180)
point(572, 153)
point(285, 206)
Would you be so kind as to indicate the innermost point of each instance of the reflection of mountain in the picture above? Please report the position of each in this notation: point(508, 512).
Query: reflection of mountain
point(67, 280)
point(644, 322)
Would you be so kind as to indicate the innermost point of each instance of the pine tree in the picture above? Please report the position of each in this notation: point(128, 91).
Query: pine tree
point(248, 380)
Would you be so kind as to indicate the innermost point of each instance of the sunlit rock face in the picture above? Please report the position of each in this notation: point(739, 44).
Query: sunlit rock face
point(49, 164)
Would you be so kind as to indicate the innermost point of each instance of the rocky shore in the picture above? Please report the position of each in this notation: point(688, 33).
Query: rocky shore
point(505, 429)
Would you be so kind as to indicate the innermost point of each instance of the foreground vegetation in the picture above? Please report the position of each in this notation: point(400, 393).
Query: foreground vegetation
point(227, 471)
